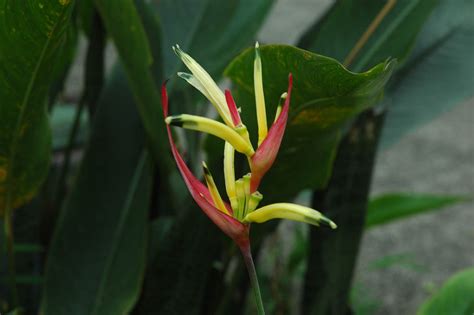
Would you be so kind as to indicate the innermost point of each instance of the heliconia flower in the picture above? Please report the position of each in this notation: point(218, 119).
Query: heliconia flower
point(235, 219)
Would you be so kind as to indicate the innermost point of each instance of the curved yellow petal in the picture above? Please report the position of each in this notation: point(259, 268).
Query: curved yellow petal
point(212, 127)
point(288, 211)
point(254, 200)
point(213, 92)
point(188, 77)
point(259, 96)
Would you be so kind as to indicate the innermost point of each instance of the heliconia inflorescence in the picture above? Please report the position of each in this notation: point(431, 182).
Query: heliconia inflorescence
point(234, 219)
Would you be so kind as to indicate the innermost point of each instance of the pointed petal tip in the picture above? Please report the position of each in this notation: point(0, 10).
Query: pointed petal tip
point(328, 222)
point(177, 50)
point(205, 169)
point(257, 45)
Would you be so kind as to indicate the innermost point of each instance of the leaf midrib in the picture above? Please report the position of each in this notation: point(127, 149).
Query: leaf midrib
point(24, 104)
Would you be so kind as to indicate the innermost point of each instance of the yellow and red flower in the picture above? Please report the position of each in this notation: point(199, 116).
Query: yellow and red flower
point(235, 218)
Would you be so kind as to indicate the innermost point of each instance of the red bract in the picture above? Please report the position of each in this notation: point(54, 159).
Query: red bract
point(232, 108)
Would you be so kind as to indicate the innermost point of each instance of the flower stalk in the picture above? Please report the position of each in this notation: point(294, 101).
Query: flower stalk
point(247, 255)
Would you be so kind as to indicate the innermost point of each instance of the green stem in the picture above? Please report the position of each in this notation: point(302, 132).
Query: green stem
point(9, 240)
point(61, 184)
point(246, 253)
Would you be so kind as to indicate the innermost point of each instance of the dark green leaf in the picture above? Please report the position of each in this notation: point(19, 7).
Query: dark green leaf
point(333, 253)
point(31, 35)
point(325, 97)
point(123, 23)
point(176, 279)
point(98, 254)
point(346, 21)
point(456, 297)
point(390, 207)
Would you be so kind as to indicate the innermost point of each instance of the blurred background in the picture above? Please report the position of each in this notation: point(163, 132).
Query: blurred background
point(402, 263)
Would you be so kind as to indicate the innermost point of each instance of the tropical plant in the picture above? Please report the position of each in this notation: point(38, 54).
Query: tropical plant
point(96, 217)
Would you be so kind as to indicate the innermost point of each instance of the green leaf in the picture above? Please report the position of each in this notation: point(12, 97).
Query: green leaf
point(192, 25)
point(31, 35)
point(440, 77)
point(98, 253)
point(390, 207)
point(123, 23)
point(325, 97)
point(456, 297)
point(343, 25)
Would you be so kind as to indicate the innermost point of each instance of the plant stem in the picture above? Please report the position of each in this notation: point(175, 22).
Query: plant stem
point(61, 184)
point(369, 31)
point(246, 253)
point(9, 241)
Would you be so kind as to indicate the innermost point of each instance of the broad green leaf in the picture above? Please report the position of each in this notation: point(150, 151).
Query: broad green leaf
point(124, 25)
point(325, 97)
point(390, 207)
point(343, 25)
point(31, 35)
point(98, 254)
point(456, 297)
point(440, 77)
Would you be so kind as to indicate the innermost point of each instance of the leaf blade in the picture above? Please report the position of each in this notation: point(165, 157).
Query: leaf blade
point(395, 206)
point(454, 298)
point(89, 279)
point(25, 136)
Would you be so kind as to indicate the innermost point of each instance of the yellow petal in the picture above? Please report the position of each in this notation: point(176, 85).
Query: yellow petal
point(212, 127)
point(246, 179)
point(240, 190)
point(288, 211)
point(229, 173)
point(194, 82)
point(216, 197)
point(259, 96)
point(213, 92)
point(254, 200)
